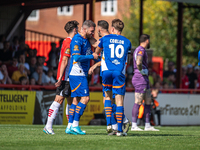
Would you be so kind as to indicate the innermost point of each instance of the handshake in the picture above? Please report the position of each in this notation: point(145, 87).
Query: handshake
point(144, 72)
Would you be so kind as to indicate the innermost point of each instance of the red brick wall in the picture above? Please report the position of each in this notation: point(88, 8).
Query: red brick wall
point(49, 22)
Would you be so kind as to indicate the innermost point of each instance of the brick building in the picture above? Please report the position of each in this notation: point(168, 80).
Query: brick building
point(53, 20)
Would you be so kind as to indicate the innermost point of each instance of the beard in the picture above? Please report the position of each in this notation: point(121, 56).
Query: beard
point(148, 46)
point(99, 34)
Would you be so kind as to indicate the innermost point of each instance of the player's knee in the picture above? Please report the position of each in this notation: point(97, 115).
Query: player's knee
point(138, 102)
point(85, 100)
point(59, 99)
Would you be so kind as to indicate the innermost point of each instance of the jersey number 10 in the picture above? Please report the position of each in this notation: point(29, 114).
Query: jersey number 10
point(115, 51)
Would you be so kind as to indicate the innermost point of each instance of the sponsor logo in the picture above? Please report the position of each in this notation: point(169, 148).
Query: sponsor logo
point(67, 51)
point(116, 62)
point(76, 48)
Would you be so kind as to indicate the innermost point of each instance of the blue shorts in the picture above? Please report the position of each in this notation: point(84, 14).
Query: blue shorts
point(79, 86)
point(114, 81)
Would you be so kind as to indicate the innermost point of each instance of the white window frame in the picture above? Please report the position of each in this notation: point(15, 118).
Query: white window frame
point(108, 12)
point(34, 18)
point(65, 12)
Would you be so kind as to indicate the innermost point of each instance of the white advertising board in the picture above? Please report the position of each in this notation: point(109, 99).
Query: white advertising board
point(176, 109)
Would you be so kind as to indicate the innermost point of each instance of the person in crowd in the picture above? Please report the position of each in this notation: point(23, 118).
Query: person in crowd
point(185, 79)
point(32, 64)
point(12, 67)
point(40, 76)
point(32, 81)
point(6, 54)
point(22, 60)
point(52, 56)
point(19, 73)
point(171, 70)
point(23, 81)
point(2, 39)
point(192, 77)
point(15, 45)
point(49, 76)
point(41, 61)
point(4, 77)
point(197, 72)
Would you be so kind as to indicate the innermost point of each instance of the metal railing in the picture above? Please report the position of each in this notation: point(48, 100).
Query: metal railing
point(41, 41)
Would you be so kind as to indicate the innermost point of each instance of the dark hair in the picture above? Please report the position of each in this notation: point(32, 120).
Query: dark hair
point(89, 23)
point(104, 24)
point(69, 27)
point(118, 24)
point(22, 78)
point(144, 37)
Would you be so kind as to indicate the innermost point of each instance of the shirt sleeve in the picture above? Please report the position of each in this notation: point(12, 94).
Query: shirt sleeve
point(75, 46)
point(66, 48)
point(140, 52)
point(100, 43)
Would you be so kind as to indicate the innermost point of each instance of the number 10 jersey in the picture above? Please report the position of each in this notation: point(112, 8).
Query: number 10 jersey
point(115, 52)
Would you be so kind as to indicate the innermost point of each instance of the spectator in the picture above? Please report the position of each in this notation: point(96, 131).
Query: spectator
point(23, 61)
point(55, 73)
point(23, 81)
point(52, 56)
point(4, 77)
point(50, 78)
point(32, 81)
point(170, 80)
point(6, 54)
point(15, 45)
point(192, 77)
point(40, 76)
point(171, 70)
point(40, 62)
point(33, 66)
point(197, 72)
point(2, 39)
point(185, 79)
point(19, 73)
point(12, 67)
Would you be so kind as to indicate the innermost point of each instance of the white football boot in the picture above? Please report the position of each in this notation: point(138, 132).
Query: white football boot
point(136, 128)
point(48, 131)
point(150, 128)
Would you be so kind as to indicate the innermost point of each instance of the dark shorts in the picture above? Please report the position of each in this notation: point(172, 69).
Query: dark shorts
point(64, 89)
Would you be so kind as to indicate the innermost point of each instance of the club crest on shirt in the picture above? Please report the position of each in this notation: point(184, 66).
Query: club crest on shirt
point(76, 48)
point(67, 51)
point(140, 52)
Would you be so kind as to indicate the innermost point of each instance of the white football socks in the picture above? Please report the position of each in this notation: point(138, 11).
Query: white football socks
point(75, 123)
point(53, 110)
point(115, 126)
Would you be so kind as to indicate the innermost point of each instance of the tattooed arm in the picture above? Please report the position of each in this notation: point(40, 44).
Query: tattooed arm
point(139, 62)
point(139, 65)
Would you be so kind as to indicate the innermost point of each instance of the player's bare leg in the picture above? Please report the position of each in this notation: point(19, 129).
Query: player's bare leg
point(53, 110)
point(147, 111)
point(139, 97)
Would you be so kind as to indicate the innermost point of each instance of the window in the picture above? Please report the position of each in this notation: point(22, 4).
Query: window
point(65, 11)
point(109, 8)
point(34, 16)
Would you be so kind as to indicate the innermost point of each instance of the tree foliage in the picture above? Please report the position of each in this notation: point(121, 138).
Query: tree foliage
point(160, 22)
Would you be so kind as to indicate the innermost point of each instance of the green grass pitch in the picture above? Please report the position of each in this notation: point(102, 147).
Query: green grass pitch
point(31, 137)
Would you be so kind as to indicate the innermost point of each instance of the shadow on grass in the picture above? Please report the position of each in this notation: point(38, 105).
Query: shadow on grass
point(151, 134)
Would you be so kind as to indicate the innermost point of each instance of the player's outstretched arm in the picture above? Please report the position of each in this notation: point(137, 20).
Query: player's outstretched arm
point(91, 70)
point(82, 58)
point(62, 69)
